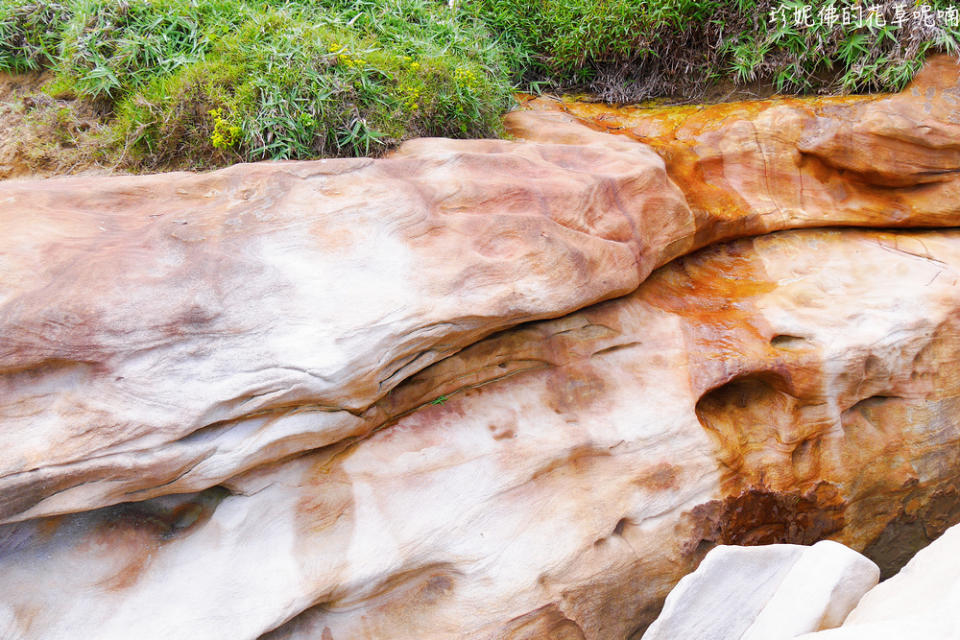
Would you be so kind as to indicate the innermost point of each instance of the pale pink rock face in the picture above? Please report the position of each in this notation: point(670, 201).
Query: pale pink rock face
point(334, 401)
point(160, 334)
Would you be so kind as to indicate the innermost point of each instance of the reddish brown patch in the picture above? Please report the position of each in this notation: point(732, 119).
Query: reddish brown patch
point(661, 477)
point(758, 516)
point(501, 432)
point(576, 461)
point(328, 500)
point(573, 388)
point(133, 532)
point(47, 527)
point(139, 549)
point(922, 517)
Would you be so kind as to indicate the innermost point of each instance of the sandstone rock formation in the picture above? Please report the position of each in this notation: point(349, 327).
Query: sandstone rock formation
point(160, 334)
point(206, 324)
point(770, 592)
point(356, 399)
point(576, 470)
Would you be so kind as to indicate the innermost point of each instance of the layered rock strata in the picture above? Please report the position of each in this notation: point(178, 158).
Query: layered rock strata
point(160, 334)
point(779, 389)
point(753, 167)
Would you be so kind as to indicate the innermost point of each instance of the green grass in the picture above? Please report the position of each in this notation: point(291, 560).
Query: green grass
point(636, 49)
point(871, 57)
point(205, 83)
point(296, 83)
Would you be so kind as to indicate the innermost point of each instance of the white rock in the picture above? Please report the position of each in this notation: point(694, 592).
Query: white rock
point(725, 594)
point(766, 593)
point(906, 628)
point(818, 592)
point(922, 601)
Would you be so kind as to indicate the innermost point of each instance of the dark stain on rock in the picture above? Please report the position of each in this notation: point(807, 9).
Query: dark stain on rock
point(326, 507)
point(140, 528)
point(620, 526)
point(920, 520)
point(24, 491)
point(501, 432)
point(577, 460)
point(787, 342)
point(407, 595)
point(617, 347)
point(759, 516)
point(661, 477)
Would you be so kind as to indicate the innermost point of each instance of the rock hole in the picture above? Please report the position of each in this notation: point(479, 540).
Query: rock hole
point(806, 459)
point(745, 411)
point(873, 367)
point(871, 403)
point(616, 347)
point(620, 526)
point(786, 341)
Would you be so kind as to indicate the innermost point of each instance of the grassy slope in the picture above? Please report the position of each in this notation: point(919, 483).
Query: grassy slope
point(204, 83)
point(214, 81)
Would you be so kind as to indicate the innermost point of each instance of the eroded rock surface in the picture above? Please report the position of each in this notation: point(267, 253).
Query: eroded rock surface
point(327, 400)
point(162, 334)
point(571, 471)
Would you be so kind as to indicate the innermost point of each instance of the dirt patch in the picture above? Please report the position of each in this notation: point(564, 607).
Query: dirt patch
point(42, 136)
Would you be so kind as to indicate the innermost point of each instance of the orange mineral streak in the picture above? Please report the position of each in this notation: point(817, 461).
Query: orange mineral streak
point(752, 167)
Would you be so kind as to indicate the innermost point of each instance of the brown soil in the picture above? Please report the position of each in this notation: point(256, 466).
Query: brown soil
point(41, 136)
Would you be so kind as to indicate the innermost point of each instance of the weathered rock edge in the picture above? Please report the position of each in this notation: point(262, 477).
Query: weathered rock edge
point(749, 168)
